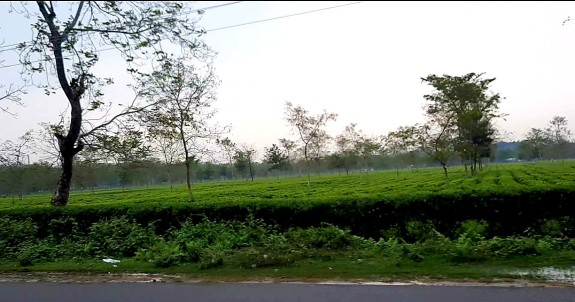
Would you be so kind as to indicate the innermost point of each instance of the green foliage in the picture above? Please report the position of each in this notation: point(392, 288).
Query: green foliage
point(326, 237)
point(14, 234)
point(118, 237)
point(161, 254)
point(420, 231)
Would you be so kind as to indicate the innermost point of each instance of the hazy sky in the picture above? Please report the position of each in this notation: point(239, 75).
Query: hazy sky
point(362, 61)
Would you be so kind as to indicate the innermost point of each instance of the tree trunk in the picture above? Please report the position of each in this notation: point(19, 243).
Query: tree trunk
point(251, 170)
point(68, 151)
point(444, 169)
point(188, 178)
point(62, 194)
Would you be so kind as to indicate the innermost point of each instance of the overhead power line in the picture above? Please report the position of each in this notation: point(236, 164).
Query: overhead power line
point(285, 16)
point(215, 29)
point(199, 11)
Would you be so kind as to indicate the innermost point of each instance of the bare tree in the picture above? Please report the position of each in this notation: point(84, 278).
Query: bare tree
point(15, 154)
point(186, 94)
point(10, 94)
point(308, 127)
point(167, 143)
point(64, 47)
point(229, 149)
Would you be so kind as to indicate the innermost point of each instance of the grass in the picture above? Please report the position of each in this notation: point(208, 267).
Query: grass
point(372, 186)
point(338, 267)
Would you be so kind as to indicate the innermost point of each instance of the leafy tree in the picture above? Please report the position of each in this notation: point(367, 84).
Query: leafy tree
point(558, 137)
point(289, 147)
point(558, 131)
point(241, 162)
point(276, 158)
point(346, 154)
point(127, 149)
point(309, 128)
point(317, 148)
point(367, 147)
point(468, 103)
point(244, 160)
point(64, 46)
point(535, 144)
point(438, 140)
point(402, 142)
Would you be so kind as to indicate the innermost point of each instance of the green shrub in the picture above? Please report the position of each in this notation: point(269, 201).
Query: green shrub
point(420, 231)
point(328, 237)
point(473, 229)
point(64, 227)
point(15, 234)
point(118, 237)
point(162, 254)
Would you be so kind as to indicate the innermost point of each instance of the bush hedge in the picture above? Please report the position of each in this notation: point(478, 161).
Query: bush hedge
point(505, 212)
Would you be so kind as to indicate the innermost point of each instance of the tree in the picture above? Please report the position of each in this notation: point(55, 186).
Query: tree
point(14, 155)
point(366, 148)
point(535, 144)
point(308, 127)
point(558, 131)
point(437, 139)
point(11, 94)
point(241, 162)
point(166, 142)
point(86, 163)
point(46, 143)
point(345, 154)
point(317, 148)
point(467, 101)
point(127, 149)
point(64, 46)
point(244, 160)
point(229, 149)
point(277, 159)
point(289, 147)
point(558, 136)
point(185, 95)
point(402, 142)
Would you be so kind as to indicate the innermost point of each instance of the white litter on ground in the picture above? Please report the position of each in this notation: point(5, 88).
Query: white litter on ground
point(108, 260)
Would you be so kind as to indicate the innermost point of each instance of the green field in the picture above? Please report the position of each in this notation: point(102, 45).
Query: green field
point(390, 225)
point(385, 185)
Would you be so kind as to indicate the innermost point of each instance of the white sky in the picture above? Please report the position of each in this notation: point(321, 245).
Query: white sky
point(362, 61)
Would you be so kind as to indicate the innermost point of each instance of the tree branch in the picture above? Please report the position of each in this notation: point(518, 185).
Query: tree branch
point(71, 25)
point(127, 112)
point(114, 31)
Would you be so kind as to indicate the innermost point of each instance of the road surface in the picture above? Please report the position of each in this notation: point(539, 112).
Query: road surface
point(236, 292)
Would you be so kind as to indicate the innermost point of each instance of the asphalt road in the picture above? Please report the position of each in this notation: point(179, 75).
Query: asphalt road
point(235, 292)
